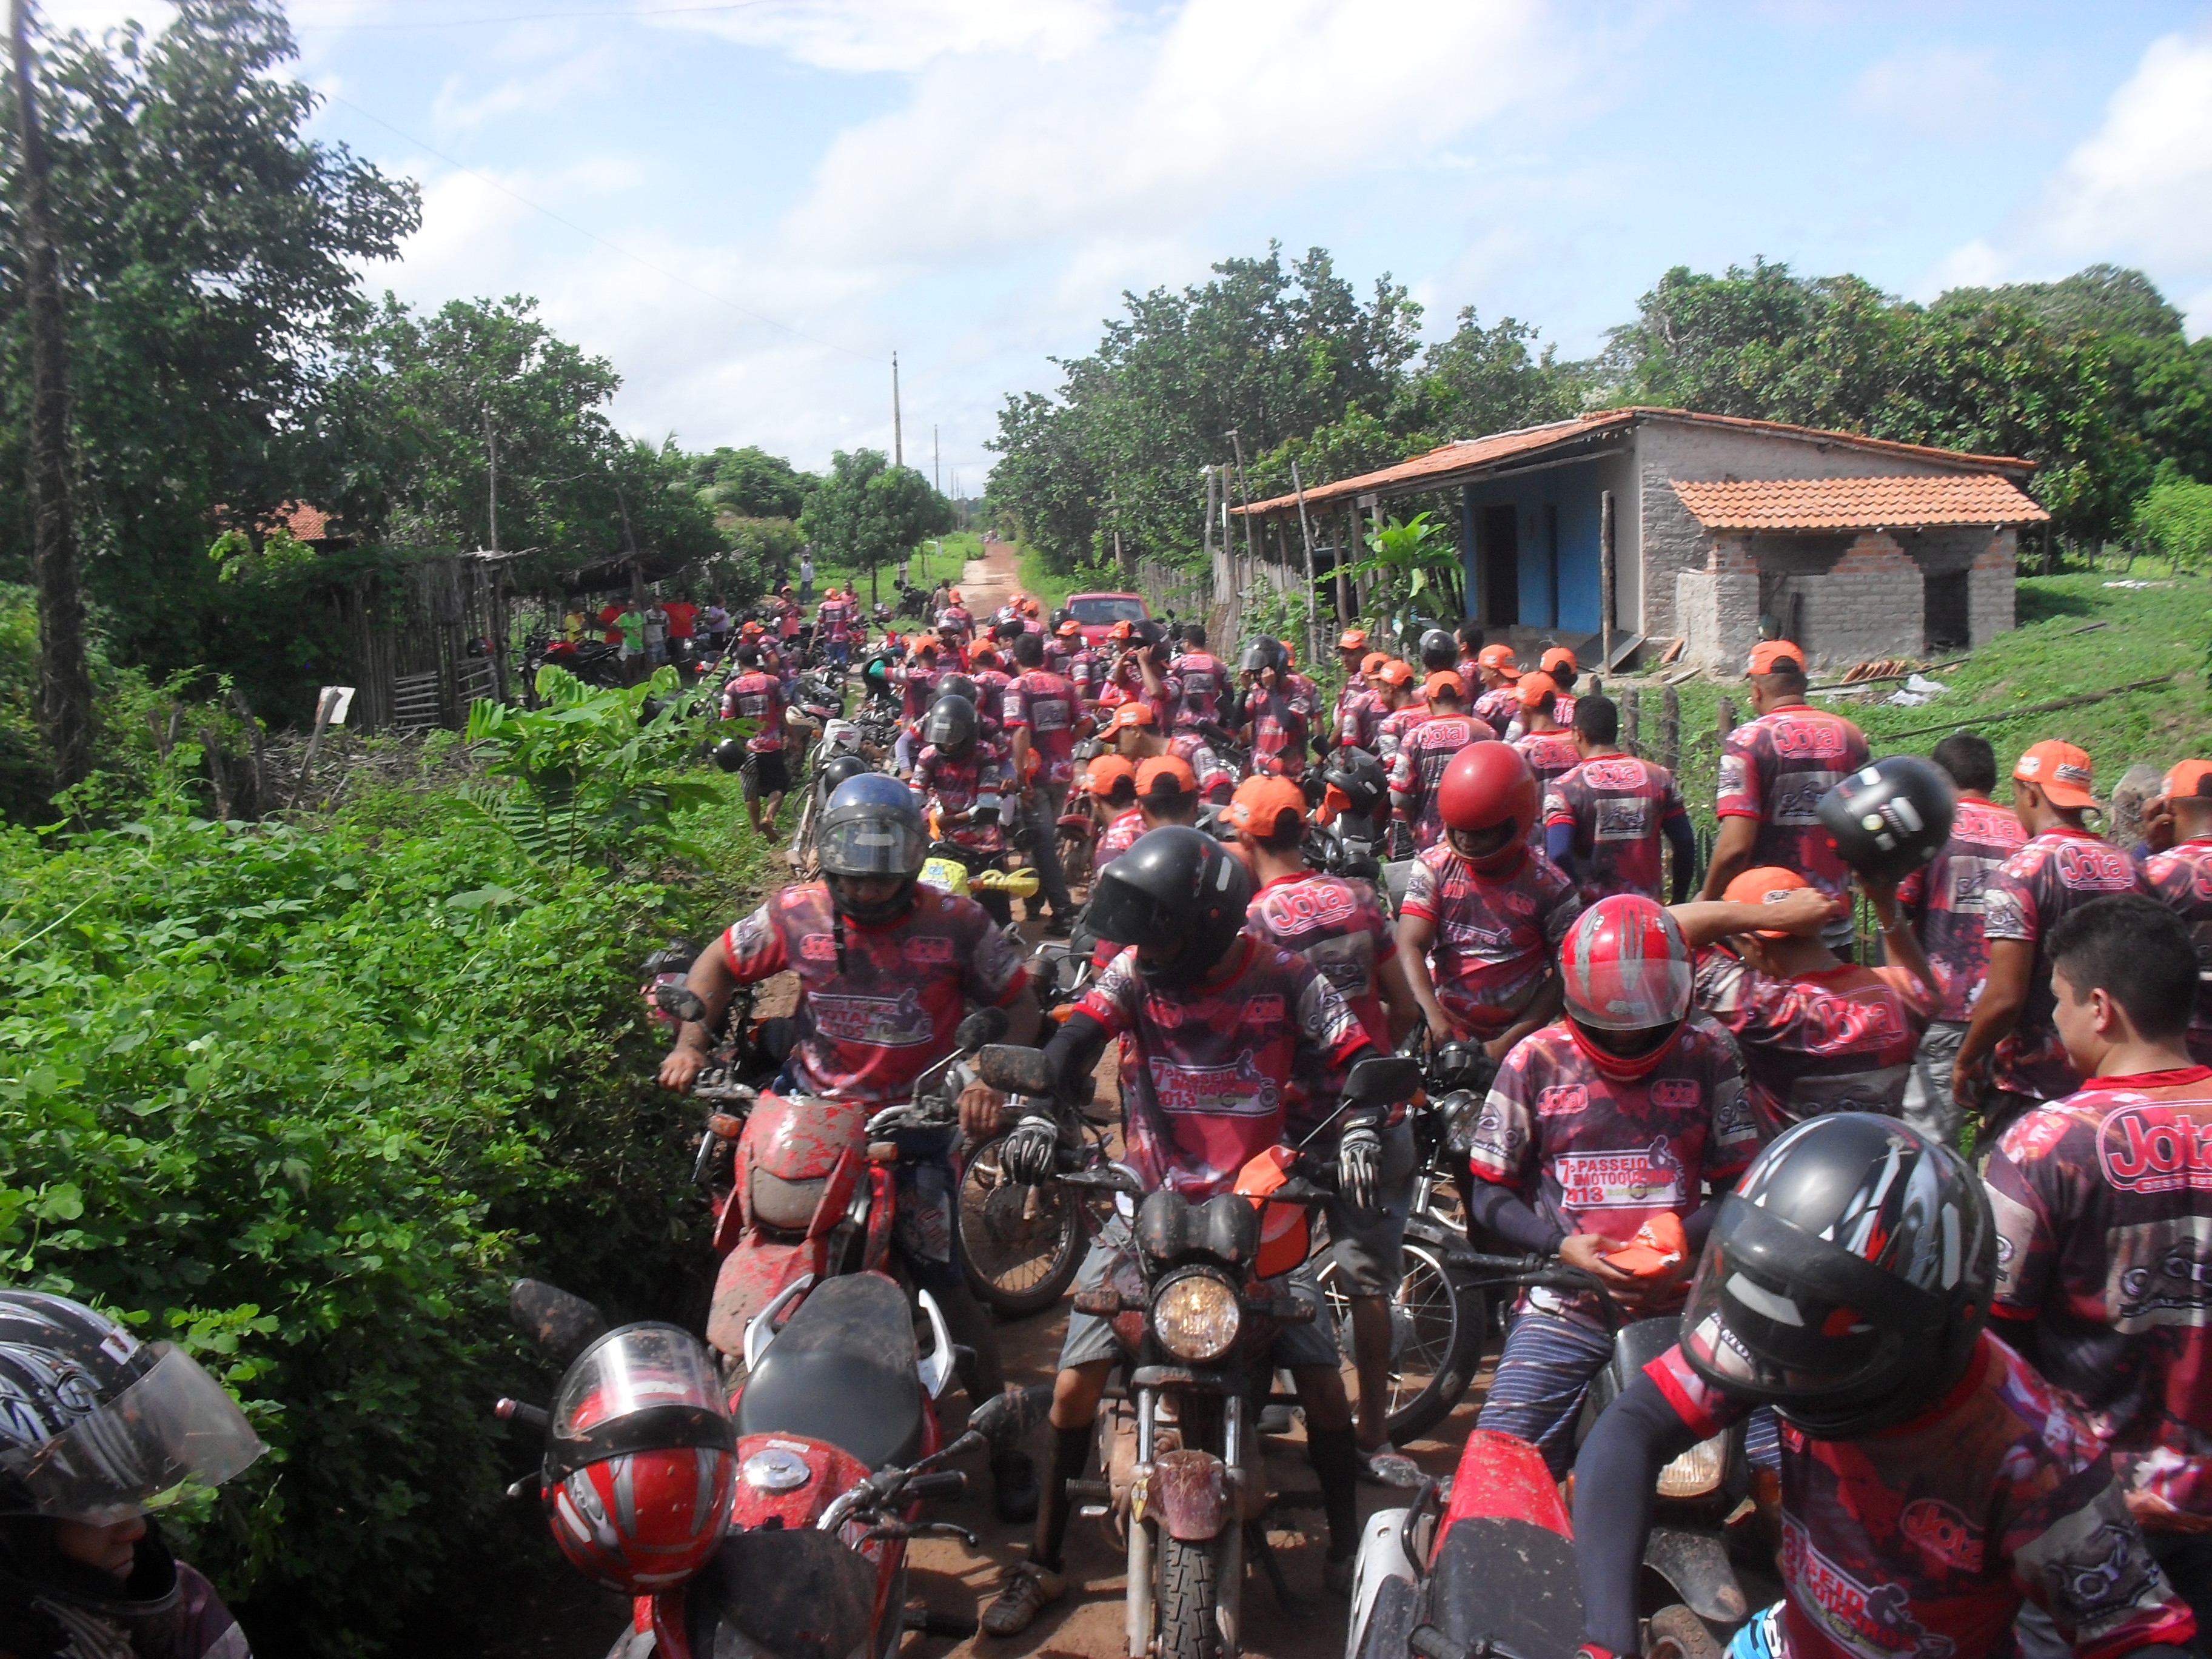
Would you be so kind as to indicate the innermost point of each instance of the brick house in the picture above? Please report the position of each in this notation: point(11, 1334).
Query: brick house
point(1855, 547)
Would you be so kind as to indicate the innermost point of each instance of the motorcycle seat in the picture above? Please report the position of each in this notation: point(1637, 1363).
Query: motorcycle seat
point(842, 1370)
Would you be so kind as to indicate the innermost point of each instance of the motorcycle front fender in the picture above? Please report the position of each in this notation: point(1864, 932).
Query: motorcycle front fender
point(749, 1278)
point(1188, 1491)
point(1696, 1572)
point(1381, 1559)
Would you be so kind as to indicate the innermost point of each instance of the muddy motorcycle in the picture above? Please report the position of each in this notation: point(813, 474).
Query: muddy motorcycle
point(1496, 1573)
point(1195, 1301)
point(833, 1446)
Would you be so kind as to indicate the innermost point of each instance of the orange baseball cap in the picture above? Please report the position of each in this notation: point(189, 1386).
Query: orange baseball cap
point(1395, 672)
point(1129, 715)
point(2190, 778)
point(1119, 630)
point(1372, 663)
point(1108, 770)
point(1070, 627)
point(1352, 639)
point(1499, 657)
point(1763, 886)
point(1181, 780)
point(1559, 657)
point(2059, 769)
point(1446, 681)
point(1259, 804)
point(750, 627)
point(1534, 688)
point(1769, 654)
point(982, 654)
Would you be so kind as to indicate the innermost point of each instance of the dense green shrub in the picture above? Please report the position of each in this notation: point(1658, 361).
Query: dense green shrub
point(307, 1099)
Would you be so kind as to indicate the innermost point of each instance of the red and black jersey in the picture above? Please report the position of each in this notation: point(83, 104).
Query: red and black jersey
point(2023, 898)
point(866, 1032)
point(953, 786)
point(1419, 766)
point(1278, 732)
point(1357, 717)
point(1045, 706)
point(757, 699)
point(1944, 898)
point(1551, 755)
point(1204, 678)
point(2183, 879)
point(1776, 769)
point(2103, 1212)
point(1338, 925)
point(1495, 938)
point(1616, 805)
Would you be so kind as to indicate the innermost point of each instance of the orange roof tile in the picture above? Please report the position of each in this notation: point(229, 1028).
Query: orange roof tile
point(1438, 467)
point(1956, 498)
point(308, 523)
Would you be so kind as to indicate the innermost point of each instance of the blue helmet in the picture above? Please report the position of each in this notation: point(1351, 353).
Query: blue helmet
point(871, 826)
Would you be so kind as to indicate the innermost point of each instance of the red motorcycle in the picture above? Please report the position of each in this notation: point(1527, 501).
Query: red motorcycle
point(753, 1525)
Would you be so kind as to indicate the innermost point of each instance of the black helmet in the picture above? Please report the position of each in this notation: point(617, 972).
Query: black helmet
point(1176, 887)
point(1847, 1279)
point(872, 827)
point(950, 726)
point(1147, 632)
point(674, 958)
point(1264, 653)
point(1061, 616)
point(957, 685)
point(1887, 819)
point(1359, 778)
point(730, 754)
point(841, 770)
point(1439, 650)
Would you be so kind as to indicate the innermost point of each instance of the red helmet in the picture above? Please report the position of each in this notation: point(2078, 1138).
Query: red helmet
point(1624, 966)
point(641, 1467)
point(1486, 787)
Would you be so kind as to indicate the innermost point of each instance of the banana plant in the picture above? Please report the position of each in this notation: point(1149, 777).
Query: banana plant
point(1415, 568)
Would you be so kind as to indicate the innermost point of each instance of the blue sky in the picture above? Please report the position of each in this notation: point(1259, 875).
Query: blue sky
point(973, 182)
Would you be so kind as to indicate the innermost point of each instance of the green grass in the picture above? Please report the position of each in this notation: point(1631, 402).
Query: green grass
point(2046, 658)
point(928, 564)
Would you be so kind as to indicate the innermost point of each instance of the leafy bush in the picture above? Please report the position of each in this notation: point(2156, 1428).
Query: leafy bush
point(2174, 520)
point(305, 1101)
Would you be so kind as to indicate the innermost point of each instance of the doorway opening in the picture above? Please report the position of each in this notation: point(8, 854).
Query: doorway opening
point(1501, 566)
point(1945, 612)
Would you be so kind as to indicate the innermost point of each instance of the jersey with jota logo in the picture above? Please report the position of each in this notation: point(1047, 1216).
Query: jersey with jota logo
point(1211, 1078)
point(1921, 1542)
point(1776, 769)
point(1945, 898)
point(1338, 925)
point(1616, 805)
point(1419, 764)
point(866, 1033)
point(1046, 705)
point(1551, 755)
point(2057, 871)
point(1205, 679)
point(954, 785)
point(2103, 1212)
point(1594, 1155)
point(758, 698)
point(2183, 880)
point(1494, 940)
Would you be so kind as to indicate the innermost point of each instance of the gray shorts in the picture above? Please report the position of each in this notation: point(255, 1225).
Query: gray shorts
point(1928, 1105)
point(1090, 1337)
point(1369, 1245)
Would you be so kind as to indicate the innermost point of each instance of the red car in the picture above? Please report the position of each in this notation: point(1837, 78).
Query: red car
point(1098, 612)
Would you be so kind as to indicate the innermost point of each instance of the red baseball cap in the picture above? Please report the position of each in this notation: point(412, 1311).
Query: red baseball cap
point(1259, 804)
point(1769, 654)
point(1763, 886)
point(2060, 771)
point(2190, 778)
point(1181, 780)
point(1499, 657)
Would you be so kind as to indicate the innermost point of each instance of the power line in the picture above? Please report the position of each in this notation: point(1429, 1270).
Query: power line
point(537, 17)
point(592, 235)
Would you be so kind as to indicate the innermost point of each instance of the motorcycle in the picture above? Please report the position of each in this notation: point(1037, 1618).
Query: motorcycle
point(1195, 1301)
point(835, 1449)
point(1497, 1567)
point(591, 660)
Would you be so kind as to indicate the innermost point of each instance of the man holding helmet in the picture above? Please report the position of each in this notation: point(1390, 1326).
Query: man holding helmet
point(756, 696)
point(98, 1432)
point(1225, 1040)
point(1931, 1482)
point(886, 968)
point(954, 770)
point(1485, 911)
point(1273, 711)
point(1596, 1127)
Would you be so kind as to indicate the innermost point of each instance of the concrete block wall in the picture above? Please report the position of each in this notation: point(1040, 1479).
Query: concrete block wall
point(1716, 612)
point(1872, 604)
point(1992, 602)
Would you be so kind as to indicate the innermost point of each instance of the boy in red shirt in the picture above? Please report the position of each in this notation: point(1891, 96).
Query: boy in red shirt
point(1604, 820)
point(2061, 867)
point(1817, 1034)
point(2103, 1205)
point(1499, 705)
point(2182, 877)
point(1944, 901)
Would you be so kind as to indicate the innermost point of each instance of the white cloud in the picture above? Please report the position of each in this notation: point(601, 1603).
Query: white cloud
point(877, 35)
point(1934, 90)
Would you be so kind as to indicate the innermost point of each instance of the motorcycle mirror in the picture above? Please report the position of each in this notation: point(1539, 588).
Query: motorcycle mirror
point(560, 1323)
point(680, 1002)
point(1006, 1421)
point(985, 1025)
point(1380, 1079)
point(1015, 1071)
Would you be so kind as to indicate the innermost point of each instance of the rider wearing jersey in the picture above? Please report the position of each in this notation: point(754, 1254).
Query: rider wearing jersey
point(756, 696)
point(1222, 1036)
point(1931, 1483)
point(1042, 714)
point(1604, 821)
point(956, 768)
point(2182, 877)
point(1427, 749)
point(1204, 678)
point(1498, 704)
point(1543, 741)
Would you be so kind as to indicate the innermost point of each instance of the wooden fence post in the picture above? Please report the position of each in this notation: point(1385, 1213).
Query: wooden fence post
point(1725, 722)
point(1632, 720)
point(1670, 729)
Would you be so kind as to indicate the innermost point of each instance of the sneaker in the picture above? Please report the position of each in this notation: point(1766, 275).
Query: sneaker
point(1024, 1591)
point(1056, 926)
point(1336, 1575)
point(1386, 1466)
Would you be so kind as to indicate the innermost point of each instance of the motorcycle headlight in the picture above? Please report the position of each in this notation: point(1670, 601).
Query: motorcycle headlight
point(1696, 1471)
point(1196, 1318)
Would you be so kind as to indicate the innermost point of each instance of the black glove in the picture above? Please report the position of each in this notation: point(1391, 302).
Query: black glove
point(1025, 1154)
point(1359, 1165)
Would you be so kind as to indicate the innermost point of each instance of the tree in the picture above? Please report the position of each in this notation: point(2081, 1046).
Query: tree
point(751, 483)
point(867, 511)
point(209, 253)
point(1487, 379)
point(2174, 520)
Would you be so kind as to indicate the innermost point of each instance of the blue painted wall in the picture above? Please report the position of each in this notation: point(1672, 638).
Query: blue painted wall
point(1573, 492)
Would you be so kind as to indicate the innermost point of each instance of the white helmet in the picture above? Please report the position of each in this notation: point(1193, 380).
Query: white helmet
point(842, 737)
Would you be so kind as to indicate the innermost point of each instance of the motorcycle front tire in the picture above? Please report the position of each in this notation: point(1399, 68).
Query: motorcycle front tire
point(1189, 1621)
point(1007, 1289)
point(1435, 1288)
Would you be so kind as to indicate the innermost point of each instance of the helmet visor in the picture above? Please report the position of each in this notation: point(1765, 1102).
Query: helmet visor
point(637, 1368)
point(1129, 916)
point(871, 844)
point(1782, 1344)
point(1629, 994)
point(171, 1432)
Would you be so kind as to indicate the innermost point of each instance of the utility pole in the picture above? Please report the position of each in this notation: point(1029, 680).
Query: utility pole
point(898, 438)
point(491, 460)
point(65, 682)
point(936, 461)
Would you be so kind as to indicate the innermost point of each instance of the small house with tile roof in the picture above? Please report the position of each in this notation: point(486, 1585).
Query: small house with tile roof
point(1855, 547)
